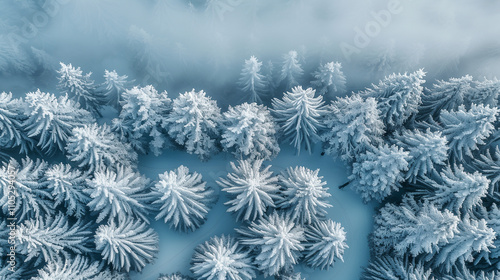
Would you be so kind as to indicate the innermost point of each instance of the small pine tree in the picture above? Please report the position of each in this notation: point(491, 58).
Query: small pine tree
point(80, 88)
point(51, 237)
point(142, 119)
point(325, 244)
point(276, 240)
point(66, 186)
point(94, 146)
point(428, 151)
point(12, 116)
point(193, 123)
point(118, 192)
point(414, 227)
point(252, 82)
point(304, 194)
point(249, 131)
point(353, 125)
point(330, 79)
point(396, 268)
point(128, 244)
point(299, 113)
point(114, 86)
point(184, 198)
point(398, 97)
point(222, 258)
point(79, 268)
point(291, 71)
point(252, 189)
point(465, 130)
point(376, 174)
point(51, 119)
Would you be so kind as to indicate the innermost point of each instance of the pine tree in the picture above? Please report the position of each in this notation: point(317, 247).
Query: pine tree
point(80, 88)
point(398, 97)
point(114, 86)
point(47, 238)
point(50, 120)
point(291, 71)
point(414, 227)
point(252, 189)
point(330, 79)
point(118, 193)
point(248, 130)
point(142, 119)
point(303, 194)
point(465, 130)
point(458, 190)
point(12, 116)
point(33, 197)
point(67, 188)
point(276, 240)
point(184, 198)
point(446, 95)
point(428, 151)
point(396, 268)
point(299, 113)
point(252, 82)
point(488, 163)
point(353, 125)
point(79, 268)
point(325, 244)
point(127, 244)
point(486, 92)
point(269, 78)
point(222, 258)
point(376, 174)
point(193, 123)
point(94, 146)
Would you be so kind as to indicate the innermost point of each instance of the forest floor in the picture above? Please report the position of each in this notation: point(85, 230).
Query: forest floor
point(177, 248)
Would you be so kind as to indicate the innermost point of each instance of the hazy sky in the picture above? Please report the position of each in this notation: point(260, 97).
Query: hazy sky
point(178, 45)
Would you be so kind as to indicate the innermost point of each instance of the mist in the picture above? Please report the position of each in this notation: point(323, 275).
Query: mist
point(179, 45)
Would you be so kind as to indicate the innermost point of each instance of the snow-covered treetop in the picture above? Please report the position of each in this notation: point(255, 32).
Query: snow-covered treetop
point(251, 80)
point(114, 85)
point(325, 244)
point(486, 92)
point(11, 116)
point(330, 79)
point(291, 71)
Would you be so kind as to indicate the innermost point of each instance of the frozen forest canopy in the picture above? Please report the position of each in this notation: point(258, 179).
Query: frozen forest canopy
point(90, 90)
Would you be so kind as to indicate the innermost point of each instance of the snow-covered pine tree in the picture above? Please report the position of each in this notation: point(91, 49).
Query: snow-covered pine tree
point(486, 92)
point(222, 258)
point(93, 146)
point(325, 244)
point(353, 125)
point(445, 95)
point(398, 97)
point(248, 130)
point(303, 195)
point(51, 119)
point(330, 79)
point(456, 189)
point(252, 82)
point(396, 268)
point(466, 129)
point(47, 238)
point(114, 86)
point(119, 192)
point(193, 123)
point(174, 276)
point(252, 189)
point(291, 70)
point(428, 151)
point(488, 163)
point(66, 186)
point(377, 173)
point(80, 88)
point(413, 227)
point(78, 268)
point(143, 119)
point(184, 198)
point(12, 116)
point(473, 236)
point(299, 113)
point(276, 240)
point(33, 197)
point(127, 244)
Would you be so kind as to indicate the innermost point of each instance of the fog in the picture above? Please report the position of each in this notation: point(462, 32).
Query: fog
point(178, 45)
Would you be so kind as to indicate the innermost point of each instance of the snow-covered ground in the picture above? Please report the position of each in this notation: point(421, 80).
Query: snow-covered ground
point(177, 248)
